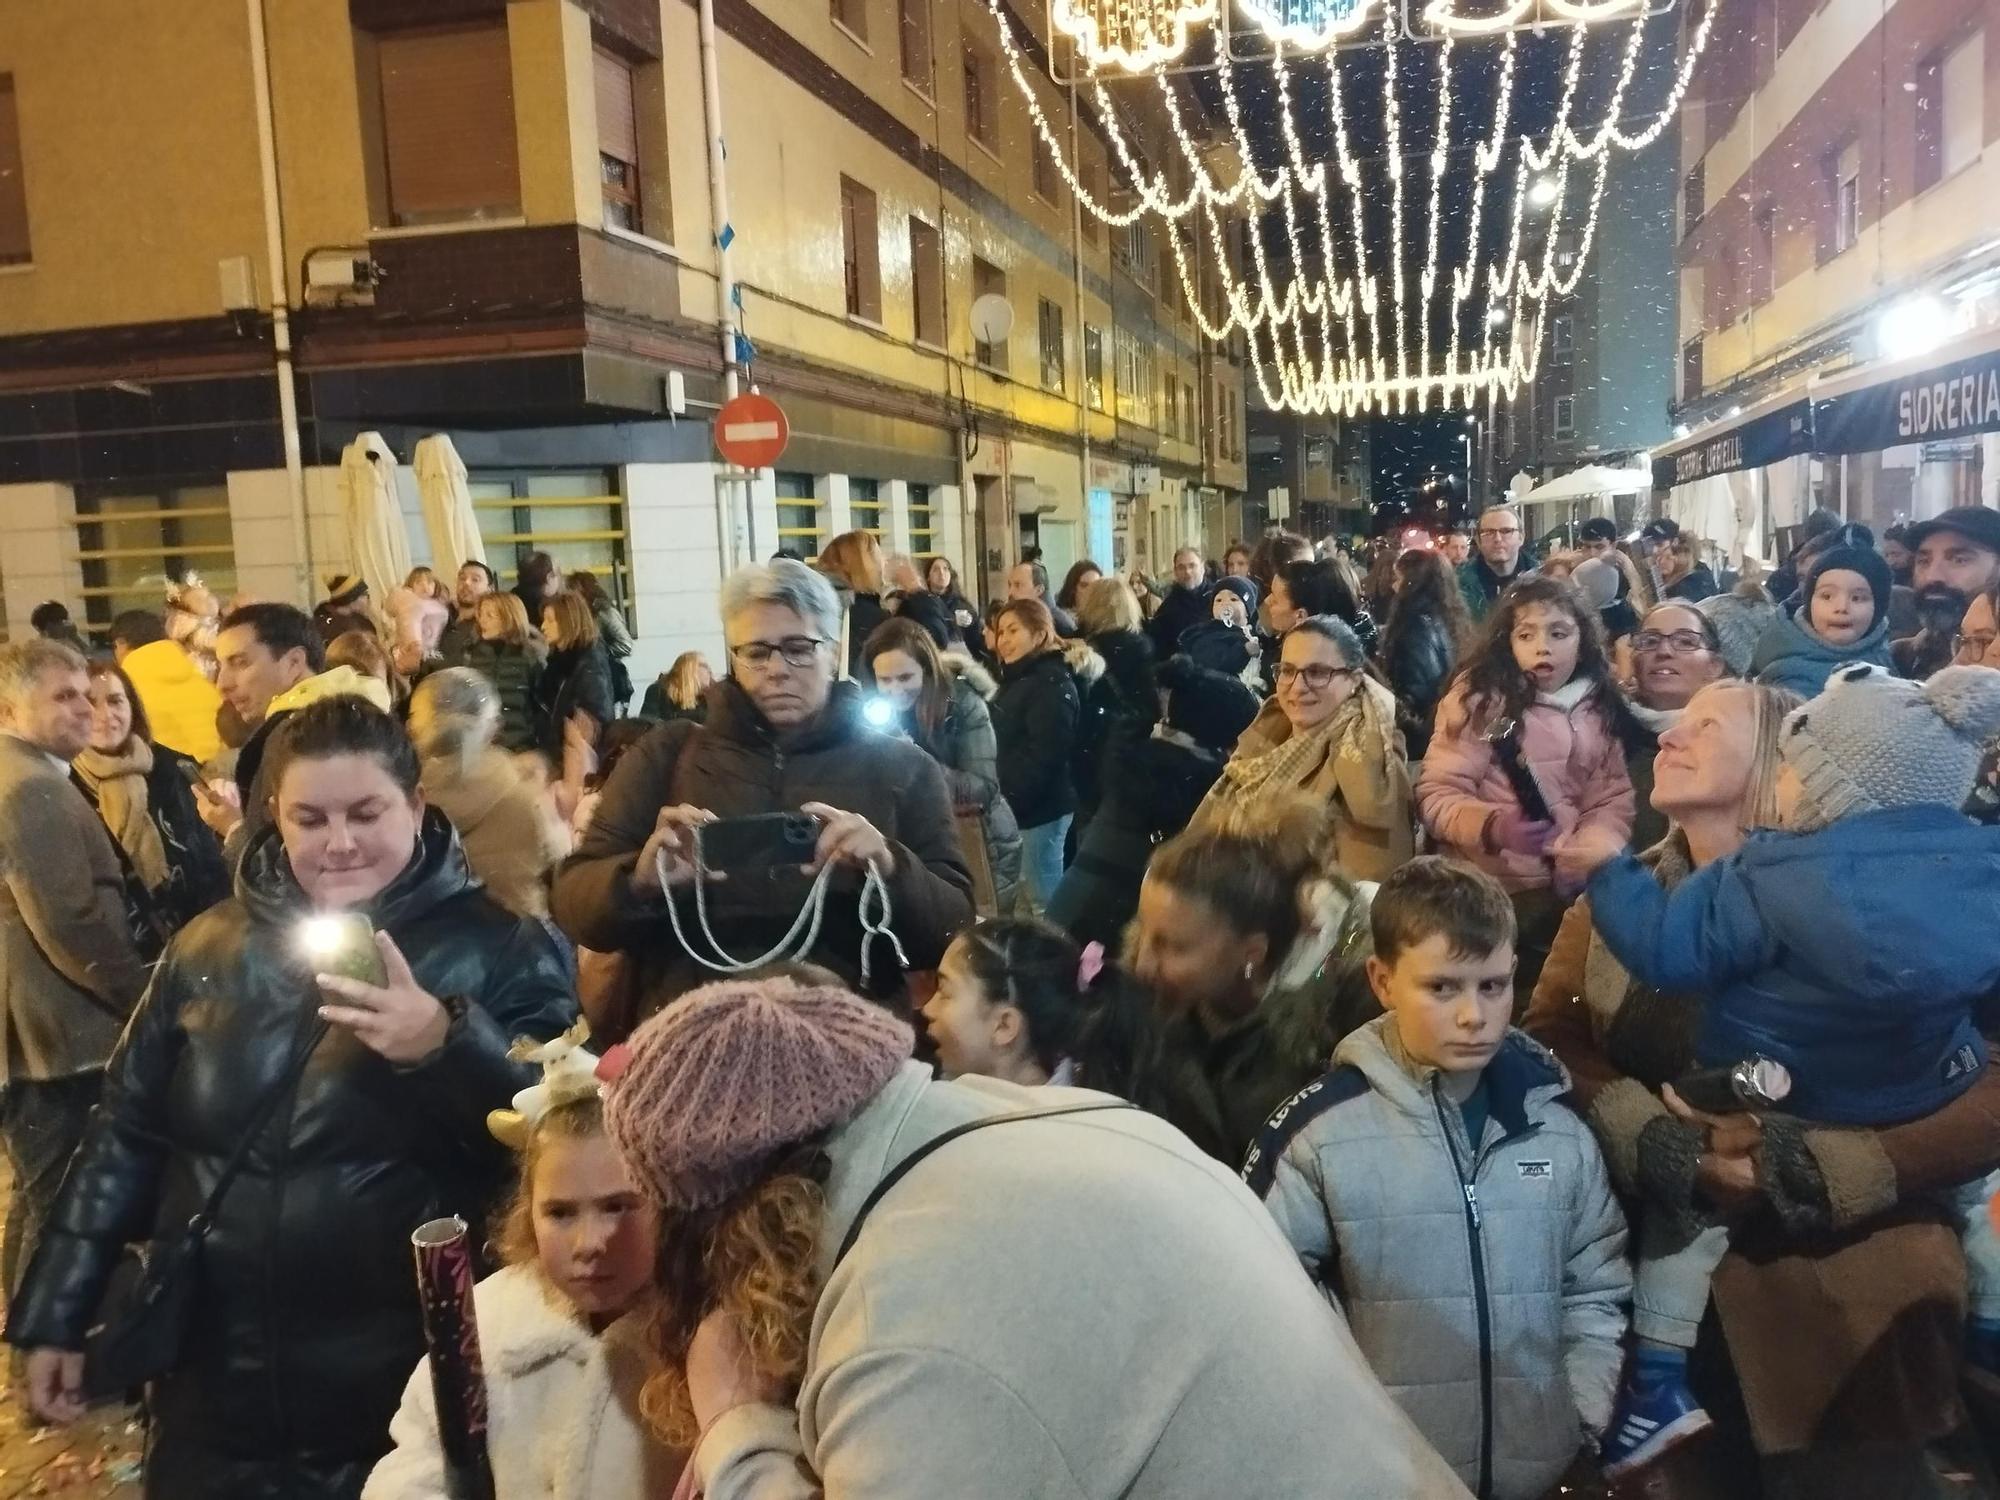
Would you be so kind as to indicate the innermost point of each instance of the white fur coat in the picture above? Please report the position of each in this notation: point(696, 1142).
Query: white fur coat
point(562, 1407)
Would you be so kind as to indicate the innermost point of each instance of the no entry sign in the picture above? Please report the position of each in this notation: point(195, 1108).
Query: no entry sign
point(751, 430)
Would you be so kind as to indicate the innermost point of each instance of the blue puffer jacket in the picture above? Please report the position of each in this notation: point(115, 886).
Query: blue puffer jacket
point(1791, 656)
point(1854, 956)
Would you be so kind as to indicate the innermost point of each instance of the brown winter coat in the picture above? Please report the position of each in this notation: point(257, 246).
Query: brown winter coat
point(512, 841)
point(1842, 1295)
point(736, 766)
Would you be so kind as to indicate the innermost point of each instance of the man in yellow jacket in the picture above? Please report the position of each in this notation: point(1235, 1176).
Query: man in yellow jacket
point(180, 702)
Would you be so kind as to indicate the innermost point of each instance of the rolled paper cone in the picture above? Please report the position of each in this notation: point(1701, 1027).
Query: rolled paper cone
point(443, 1253)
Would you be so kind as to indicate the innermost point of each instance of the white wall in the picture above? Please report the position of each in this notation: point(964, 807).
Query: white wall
point(676, 566)
point(39, 561)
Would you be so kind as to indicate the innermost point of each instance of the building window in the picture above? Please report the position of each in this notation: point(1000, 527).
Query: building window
point(1562, 339)
point(1050, 333)
point(923, 521)
point(1047, 178)
point(801, 518)
point(14, 247)
point(1844, 182)
point(860, 260)
point(852, 17)
point(1691, 368)
point(1565, 416)
point(1093, 367)
point(130, 543)
point(1764, 255)
point(1694, 197)
point(1951, 113)
point(981, 104)
point(577, 517)
point(1137, 246)
point(618, 142)
point(1169, 419)
point(914, 31)
point(989, 279)
point(927, 282)
point(864, 505)
point(448, 149)
point(1134, 380)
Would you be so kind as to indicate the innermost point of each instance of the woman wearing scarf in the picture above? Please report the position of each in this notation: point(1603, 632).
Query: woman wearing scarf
point(1675, 654)
point(1330, 731)
point(142, 792)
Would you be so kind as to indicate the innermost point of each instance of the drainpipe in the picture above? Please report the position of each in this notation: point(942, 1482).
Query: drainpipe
point(728, 527)
point(1076, 264)
point(281, 299)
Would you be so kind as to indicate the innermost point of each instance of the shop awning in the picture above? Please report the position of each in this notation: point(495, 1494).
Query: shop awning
point(1777, 427)
point(1952, 392)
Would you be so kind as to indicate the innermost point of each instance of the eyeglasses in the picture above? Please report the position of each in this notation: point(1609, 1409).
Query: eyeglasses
point(1492, 531)
point(1680, 642)
point(1318, 678)
point(1973, 645)
point(796, 651)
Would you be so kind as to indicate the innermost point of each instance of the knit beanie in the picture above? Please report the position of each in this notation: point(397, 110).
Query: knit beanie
point(727, 1076)
point(1872, 741)
point(1740, 620)
point(1243, 589)
point(1851, 559)
point(1597, 580)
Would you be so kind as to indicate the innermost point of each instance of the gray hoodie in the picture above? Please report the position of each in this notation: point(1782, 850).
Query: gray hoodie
point(1077, 1308)
point(1487, 1288)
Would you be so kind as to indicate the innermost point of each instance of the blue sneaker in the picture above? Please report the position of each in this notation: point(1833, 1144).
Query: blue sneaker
point(1654, 1414)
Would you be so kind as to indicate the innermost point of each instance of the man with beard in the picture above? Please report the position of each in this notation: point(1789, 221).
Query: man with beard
point(1955, 559)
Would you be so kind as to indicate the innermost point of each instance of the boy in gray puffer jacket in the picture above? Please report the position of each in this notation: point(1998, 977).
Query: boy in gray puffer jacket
point(1458, 1213)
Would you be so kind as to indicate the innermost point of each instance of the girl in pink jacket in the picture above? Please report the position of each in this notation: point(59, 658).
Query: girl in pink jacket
point(1527, 748)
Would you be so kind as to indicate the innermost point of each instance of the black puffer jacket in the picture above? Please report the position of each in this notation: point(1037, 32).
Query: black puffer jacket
point(305, 1327)
point(735, 765)
point(577, 679)
point(1036, 722)
point(1120, 705)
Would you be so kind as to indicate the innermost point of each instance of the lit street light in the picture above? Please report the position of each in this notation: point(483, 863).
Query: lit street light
point(1543, 193)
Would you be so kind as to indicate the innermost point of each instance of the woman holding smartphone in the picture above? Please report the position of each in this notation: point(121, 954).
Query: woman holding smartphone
point(146, 795)
point(305, 1320)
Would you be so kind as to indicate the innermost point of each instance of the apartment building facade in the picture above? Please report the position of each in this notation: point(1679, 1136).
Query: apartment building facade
point(1839, 268)
point(495, 219)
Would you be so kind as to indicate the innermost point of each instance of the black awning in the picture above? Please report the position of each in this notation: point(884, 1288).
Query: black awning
point(1950, 400)
point(1763, 439)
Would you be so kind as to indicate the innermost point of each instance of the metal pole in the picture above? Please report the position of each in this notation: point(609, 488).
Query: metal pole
point(277, 276)
point(1082, 375)
point(728, 523)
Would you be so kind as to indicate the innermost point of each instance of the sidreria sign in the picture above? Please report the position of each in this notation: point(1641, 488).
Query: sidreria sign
point(1954, 400)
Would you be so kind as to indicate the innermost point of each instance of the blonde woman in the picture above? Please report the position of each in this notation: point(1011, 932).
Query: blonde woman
point(680, 692)
point(509, 658)
point(853, 563)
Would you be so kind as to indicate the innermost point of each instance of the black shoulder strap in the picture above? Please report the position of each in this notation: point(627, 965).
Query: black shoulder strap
point(260, 1116)
point(1260, 1167)
point(902, 1168)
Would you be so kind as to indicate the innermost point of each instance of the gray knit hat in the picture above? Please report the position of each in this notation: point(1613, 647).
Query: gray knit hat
point(1872, 741)
point(1740, 619)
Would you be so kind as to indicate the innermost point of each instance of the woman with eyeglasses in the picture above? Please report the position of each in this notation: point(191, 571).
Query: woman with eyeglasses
point(782, 736)
point(1330, 732)
point(1978, 641)
point(1675, 654)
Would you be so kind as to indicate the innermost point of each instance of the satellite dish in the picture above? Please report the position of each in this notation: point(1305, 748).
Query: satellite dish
point(992, 318)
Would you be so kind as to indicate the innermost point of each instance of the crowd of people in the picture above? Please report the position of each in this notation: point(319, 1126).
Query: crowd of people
point(1470, 1022)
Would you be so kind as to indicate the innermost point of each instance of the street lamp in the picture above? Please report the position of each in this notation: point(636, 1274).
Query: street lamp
point(1543, 193)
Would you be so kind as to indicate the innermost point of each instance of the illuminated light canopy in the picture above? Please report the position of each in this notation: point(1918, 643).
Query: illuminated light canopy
point(1351, 329)
point(1308, 25)
point(1131, 34)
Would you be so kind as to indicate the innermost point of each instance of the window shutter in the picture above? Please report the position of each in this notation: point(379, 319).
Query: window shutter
point(13, 188)
point(448, 124)
point(617, 118)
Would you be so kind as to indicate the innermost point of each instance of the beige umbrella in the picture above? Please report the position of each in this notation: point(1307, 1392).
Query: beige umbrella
point(448, 513)
point(376, 539)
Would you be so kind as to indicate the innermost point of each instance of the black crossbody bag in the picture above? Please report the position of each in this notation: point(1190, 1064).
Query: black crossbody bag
point(144, 1318)
point(902, 1168)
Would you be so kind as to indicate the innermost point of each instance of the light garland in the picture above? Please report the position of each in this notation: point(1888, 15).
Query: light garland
point(1317, 344)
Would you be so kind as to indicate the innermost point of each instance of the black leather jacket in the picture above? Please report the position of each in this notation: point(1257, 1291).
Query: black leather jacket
point(306, 1323)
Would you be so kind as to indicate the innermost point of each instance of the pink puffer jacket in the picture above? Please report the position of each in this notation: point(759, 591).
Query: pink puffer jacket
point(1576, 759)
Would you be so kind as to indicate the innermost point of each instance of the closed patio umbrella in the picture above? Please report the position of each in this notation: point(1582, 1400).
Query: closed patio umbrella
point(375, 536)
point(448, 513)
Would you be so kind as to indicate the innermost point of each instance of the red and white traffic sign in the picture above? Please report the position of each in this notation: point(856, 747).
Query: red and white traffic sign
point(751, 430)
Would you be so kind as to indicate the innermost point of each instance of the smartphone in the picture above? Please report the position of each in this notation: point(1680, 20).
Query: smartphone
point(343, 943)
point(763, 841)
point(192, 775)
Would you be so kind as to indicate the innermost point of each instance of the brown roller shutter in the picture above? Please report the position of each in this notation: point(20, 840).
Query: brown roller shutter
point(617, 120)
point(448, 124)
point(13, 189)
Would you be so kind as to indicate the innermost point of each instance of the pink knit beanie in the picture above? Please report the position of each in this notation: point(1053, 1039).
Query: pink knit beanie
point(725, 1076)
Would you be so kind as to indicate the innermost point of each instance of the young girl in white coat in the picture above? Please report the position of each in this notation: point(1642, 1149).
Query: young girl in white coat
point(559, 1327)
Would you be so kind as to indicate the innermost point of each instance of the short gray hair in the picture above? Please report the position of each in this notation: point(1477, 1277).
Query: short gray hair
point(23, 662)
point(786, 585)
point(454, 714)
